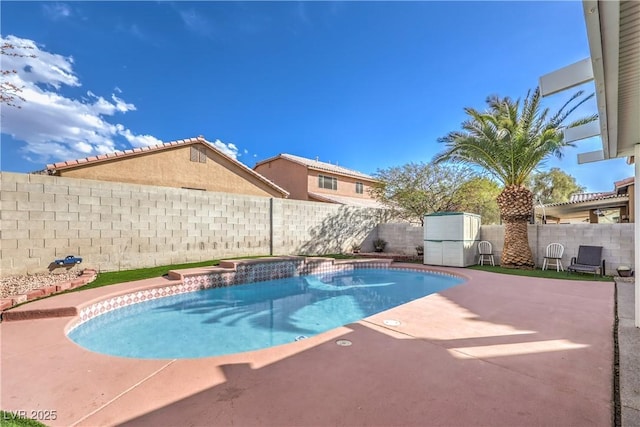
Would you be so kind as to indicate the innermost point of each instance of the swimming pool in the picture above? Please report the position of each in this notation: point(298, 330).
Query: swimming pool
point(227, 320)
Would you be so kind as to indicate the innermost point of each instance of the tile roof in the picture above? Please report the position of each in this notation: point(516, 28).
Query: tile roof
point(590, 197)
point(51, 168)
point(318, 165)
point(586, 197)
point(126, 153)
point(603, 195)
point(624, 182)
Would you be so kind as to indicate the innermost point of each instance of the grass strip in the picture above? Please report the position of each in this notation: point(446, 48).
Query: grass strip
point(543, 274)
point(14, 419)
point(115, 277)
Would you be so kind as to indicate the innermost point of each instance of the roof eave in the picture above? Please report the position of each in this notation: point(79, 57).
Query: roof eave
point(590, 203)
point(595, 12)
point(270, 159)
point(362, 177)
point(613, 31)
point(53, 168)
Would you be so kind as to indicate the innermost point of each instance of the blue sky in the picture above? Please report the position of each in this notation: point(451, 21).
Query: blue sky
point(367, 85)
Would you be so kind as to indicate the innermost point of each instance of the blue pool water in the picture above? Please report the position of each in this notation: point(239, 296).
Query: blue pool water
point(239, 318)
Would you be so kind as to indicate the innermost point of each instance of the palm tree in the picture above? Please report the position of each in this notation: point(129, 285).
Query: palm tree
point(510, 141)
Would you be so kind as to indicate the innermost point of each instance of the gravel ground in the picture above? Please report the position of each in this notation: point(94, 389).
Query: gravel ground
point(15, 285)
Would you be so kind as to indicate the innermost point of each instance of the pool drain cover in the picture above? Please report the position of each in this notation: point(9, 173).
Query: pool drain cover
point(344, 343)
point(391, 322)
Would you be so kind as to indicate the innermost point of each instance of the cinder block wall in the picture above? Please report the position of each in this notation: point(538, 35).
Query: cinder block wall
point(322, 228)
point(616, 241)
point(401, 237)
point(116, 226)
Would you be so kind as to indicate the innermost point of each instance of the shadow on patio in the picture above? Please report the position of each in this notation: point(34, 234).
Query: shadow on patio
point(494, 351)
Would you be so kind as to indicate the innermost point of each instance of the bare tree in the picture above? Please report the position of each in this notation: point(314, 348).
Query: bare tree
point(415, 189)
point(10, 92)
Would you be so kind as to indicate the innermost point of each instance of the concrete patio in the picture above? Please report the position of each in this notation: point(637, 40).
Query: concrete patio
point(498, 350)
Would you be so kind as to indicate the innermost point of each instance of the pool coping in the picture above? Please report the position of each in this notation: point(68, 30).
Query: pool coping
point(83, 306)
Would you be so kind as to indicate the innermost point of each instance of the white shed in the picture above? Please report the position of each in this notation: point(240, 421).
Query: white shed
point(451, 238)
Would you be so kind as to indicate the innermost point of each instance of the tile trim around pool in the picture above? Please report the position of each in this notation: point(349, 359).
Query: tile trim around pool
point(244, 272)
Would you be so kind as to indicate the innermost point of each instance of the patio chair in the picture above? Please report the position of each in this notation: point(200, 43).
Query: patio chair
point(553, 255)
point(589, 260)
point(485, 250)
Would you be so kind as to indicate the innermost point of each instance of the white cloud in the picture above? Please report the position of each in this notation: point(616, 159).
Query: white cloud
point(122, 106)
point(229, 149)
point(137, 140)
point(57, 11)
point(56, 127)
point(38, 66)
point(83, 147)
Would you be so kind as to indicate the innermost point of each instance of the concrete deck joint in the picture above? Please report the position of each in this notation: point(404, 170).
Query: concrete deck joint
point(148, 377)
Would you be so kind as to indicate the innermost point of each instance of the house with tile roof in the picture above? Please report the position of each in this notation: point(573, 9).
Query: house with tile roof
point(604, 207)
point(308, 179)
point(192, 163)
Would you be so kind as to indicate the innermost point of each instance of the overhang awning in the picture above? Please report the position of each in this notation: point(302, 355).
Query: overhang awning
point(581, 209)
point(613, 29)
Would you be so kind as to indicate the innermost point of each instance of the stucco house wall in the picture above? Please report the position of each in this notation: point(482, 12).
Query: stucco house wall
point(346, 185)
point(299, 176)
point(289, 175)
point(172, 165)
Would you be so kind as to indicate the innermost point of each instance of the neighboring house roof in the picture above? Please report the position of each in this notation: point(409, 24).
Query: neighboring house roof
point(604, 195)
point(624, 182)
point(318, 165)
point(580, 209)
point(607, 199)
point(580, 204)
point(344, 200)
point(587, 197)
point(117, 155)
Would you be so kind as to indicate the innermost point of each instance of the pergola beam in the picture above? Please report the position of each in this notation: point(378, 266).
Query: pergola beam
point(566, 77)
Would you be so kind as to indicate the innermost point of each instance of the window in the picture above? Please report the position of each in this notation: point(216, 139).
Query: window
point(359, 188)
point(198, 154)
point(327, 182)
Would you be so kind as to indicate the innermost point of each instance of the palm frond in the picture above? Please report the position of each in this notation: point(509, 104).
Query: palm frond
point(512, 138)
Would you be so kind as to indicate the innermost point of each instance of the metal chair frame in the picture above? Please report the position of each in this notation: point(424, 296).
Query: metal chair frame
point(589, 260)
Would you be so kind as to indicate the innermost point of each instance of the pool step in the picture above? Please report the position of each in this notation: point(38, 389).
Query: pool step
point(26, 314)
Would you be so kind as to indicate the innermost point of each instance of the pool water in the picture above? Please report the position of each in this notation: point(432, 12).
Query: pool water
point(252, 316)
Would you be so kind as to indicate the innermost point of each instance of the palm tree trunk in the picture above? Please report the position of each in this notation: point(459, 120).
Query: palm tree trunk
point(516, 206)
